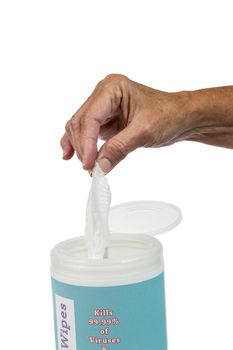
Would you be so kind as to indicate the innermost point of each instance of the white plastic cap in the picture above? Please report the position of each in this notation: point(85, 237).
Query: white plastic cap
point(148, 217)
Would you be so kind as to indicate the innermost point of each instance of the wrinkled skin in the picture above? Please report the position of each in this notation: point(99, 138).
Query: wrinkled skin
point(128, 115)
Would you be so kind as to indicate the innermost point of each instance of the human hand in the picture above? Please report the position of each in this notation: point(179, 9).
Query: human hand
point(128, 115)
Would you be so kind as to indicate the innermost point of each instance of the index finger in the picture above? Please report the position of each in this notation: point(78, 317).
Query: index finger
point(105, 99)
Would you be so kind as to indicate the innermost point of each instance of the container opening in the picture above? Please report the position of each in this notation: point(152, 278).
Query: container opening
point(130, 258)
point(117, 249)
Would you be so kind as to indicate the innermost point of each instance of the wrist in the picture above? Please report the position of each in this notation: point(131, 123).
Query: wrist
point(208, 107)
point(202, 111)
point(194, 109)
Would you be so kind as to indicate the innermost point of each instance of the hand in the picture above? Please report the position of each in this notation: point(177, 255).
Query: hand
point(128, 115)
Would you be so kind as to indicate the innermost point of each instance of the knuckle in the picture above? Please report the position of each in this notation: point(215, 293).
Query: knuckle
point(117, 149)
point(62, 142)
point(115, 79)
point(99, 84)
point(84, 120)
point(112, 83)
point(74, 123)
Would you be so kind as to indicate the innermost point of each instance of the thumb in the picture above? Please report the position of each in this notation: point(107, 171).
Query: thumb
point(118, 147)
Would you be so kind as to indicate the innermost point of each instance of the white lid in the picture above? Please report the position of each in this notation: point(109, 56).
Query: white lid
point(148, 217)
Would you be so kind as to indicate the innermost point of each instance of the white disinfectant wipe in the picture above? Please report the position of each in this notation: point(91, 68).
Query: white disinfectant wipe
point(97, 214)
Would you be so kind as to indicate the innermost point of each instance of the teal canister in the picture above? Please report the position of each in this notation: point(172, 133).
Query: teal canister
point(116, 303)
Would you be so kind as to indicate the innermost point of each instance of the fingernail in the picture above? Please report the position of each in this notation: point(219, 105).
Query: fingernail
point(64, 154)
point(105, 165)
point(90, 173)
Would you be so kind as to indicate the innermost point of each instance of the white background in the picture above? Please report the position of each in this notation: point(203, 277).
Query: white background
point(52, 55)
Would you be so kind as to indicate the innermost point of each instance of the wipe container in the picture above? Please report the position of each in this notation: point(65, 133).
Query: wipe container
point(116, 303)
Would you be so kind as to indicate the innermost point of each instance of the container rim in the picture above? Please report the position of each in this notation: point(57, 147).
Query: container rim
point(68, 267)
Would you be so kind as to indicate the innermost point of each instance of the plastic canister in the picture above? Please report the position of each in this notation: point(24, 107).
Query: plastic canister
point(117, 303)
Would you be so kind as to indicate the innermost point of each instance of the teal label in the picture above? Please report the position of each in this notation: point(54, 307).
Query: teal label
point(128, 317)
